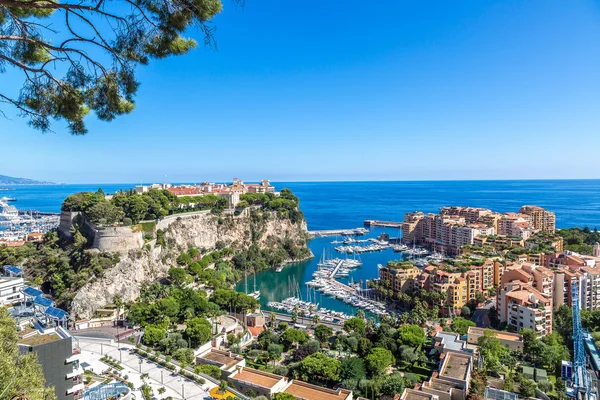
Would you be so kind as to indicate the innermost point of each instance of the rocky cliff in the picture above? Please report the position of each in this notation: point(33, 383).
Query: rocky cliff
point(200, 230)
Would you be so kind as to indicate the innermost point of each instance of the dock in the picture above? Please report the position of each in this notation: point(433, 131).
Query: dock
point(386, 224)
point(335, 270)
point(338, 232)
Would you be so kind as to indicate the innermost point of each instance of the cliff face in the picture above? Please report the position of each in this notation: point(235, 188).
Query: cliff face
point(200, 230)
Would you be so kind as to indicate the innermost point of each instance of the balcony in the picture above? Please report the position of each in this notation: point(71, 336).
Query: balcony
point(76, 388)
point(76, 372)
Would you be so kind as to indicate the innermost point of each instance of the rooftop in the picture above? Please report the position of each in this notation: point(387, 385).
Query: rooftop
point(455, 366)
point(220, 357)
point(39, 338)
point(307, 391)
point(515, 337)
point(256, 377)
point(437, 384)
point(411, 394)
point(450, 340)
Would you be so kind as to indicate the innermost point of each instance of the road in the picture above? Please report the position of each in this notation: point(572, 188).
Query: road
point(480, 316)
point(176, 385)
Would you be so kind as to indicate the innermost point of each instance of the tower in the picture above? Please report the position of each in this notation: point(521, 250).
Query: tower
point(596, 249)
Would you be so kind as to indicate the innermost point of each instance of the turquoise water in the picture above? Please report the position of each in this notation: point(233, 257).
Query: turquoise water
point(337, 205)
point(276, 286)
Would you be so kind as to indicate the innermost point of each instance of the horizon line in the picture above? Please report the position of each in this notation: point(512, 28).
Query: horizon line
point(320, 181)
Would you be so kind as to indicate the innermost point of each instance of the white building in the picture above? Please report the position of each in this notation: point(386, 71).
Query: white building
point(590, 288)
point(11, 290)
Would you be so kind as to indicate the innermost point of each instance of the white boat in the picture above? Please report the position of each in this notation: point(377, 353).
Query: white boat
point(8, 212)
point(399, 247)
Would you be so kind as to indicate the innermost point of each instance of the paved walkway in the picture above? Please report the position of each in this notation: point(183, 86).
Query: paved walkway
point(177, 386)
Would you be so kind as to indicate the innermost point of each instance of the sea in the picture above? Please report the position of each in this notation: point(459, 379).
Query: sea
point(345, 205)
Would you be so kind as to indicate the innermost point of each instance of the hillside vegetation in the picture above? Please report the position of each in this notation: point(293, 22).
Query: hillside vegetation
point(580, 240)
point(63, 267)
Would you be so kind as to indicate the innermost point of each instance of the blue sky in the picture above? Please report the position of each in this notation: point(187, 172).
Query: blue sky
point(352, 90)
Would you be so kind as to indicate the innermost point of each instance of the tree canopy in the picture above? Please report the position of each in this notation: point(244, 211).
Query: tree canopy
point(318, 367)
point(80, 56)
point(412, 335)
point(461, 325)
point(379, 360)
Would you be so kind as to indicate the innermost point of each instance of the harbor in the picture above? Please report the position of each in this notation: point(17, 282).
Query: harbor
point(329, 286)
point(19, 226)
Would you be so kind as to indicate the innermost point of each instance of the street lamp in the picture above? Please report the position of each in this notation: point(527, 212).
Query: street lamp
point(140, 365)
point(182, 388)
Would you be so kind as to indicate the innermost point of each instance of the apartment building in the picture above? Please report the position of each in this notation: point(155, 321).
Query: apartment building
point(542, 219)
point(521, 306)
point(485, 274)
point(516, 225)
point(453, 380)
point(470, 214)
point(11, 290)
point(568, 259)
point(543, 278)
point(58, 357)
point(451, 283)
point(445, 233)
point(590, 288)
point(458, 226)
point(498, 242)
point(412, 227)
point(401, 277)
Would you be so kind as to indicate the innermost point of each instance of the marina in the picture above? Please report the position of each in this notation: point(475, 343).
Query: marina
point(18, 226)
point(329, 282)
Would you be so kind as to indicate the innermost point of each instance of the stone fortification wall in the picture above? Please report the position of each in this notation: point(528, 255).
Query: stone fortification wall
point(111, 239)
point(117, 239)
point(66, 222)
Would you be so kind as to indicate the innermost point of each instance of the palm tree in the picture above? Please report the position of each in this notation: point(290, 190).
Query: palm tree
point(316, 319)
point(294, 317)
point(272, 319)
point(161, 390)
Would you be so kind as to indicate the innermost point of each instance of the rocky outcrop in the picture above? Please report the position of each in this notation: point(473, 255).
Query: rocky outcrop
point(200, 230)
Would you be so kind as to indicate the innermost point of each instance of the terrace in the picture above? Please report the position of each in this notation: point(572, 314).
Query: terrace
point(411, 394)
point(455, 366)
point(39, 338)
point(306, 391)
point(222, 359)
point(442, 386)
point(259, 381)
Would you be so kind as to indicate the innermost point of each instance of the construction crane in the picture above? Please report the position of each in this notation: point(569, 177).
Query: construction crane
point(582, 384)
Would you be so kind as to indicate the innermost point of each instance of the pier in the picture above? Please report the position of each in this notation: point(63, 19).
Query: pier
point(339, 232)
point(386, 224)
point(335, 270)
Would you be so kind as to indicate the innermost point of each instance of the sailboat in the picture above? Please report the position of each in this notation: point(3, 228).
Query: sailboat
point(256, 293)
